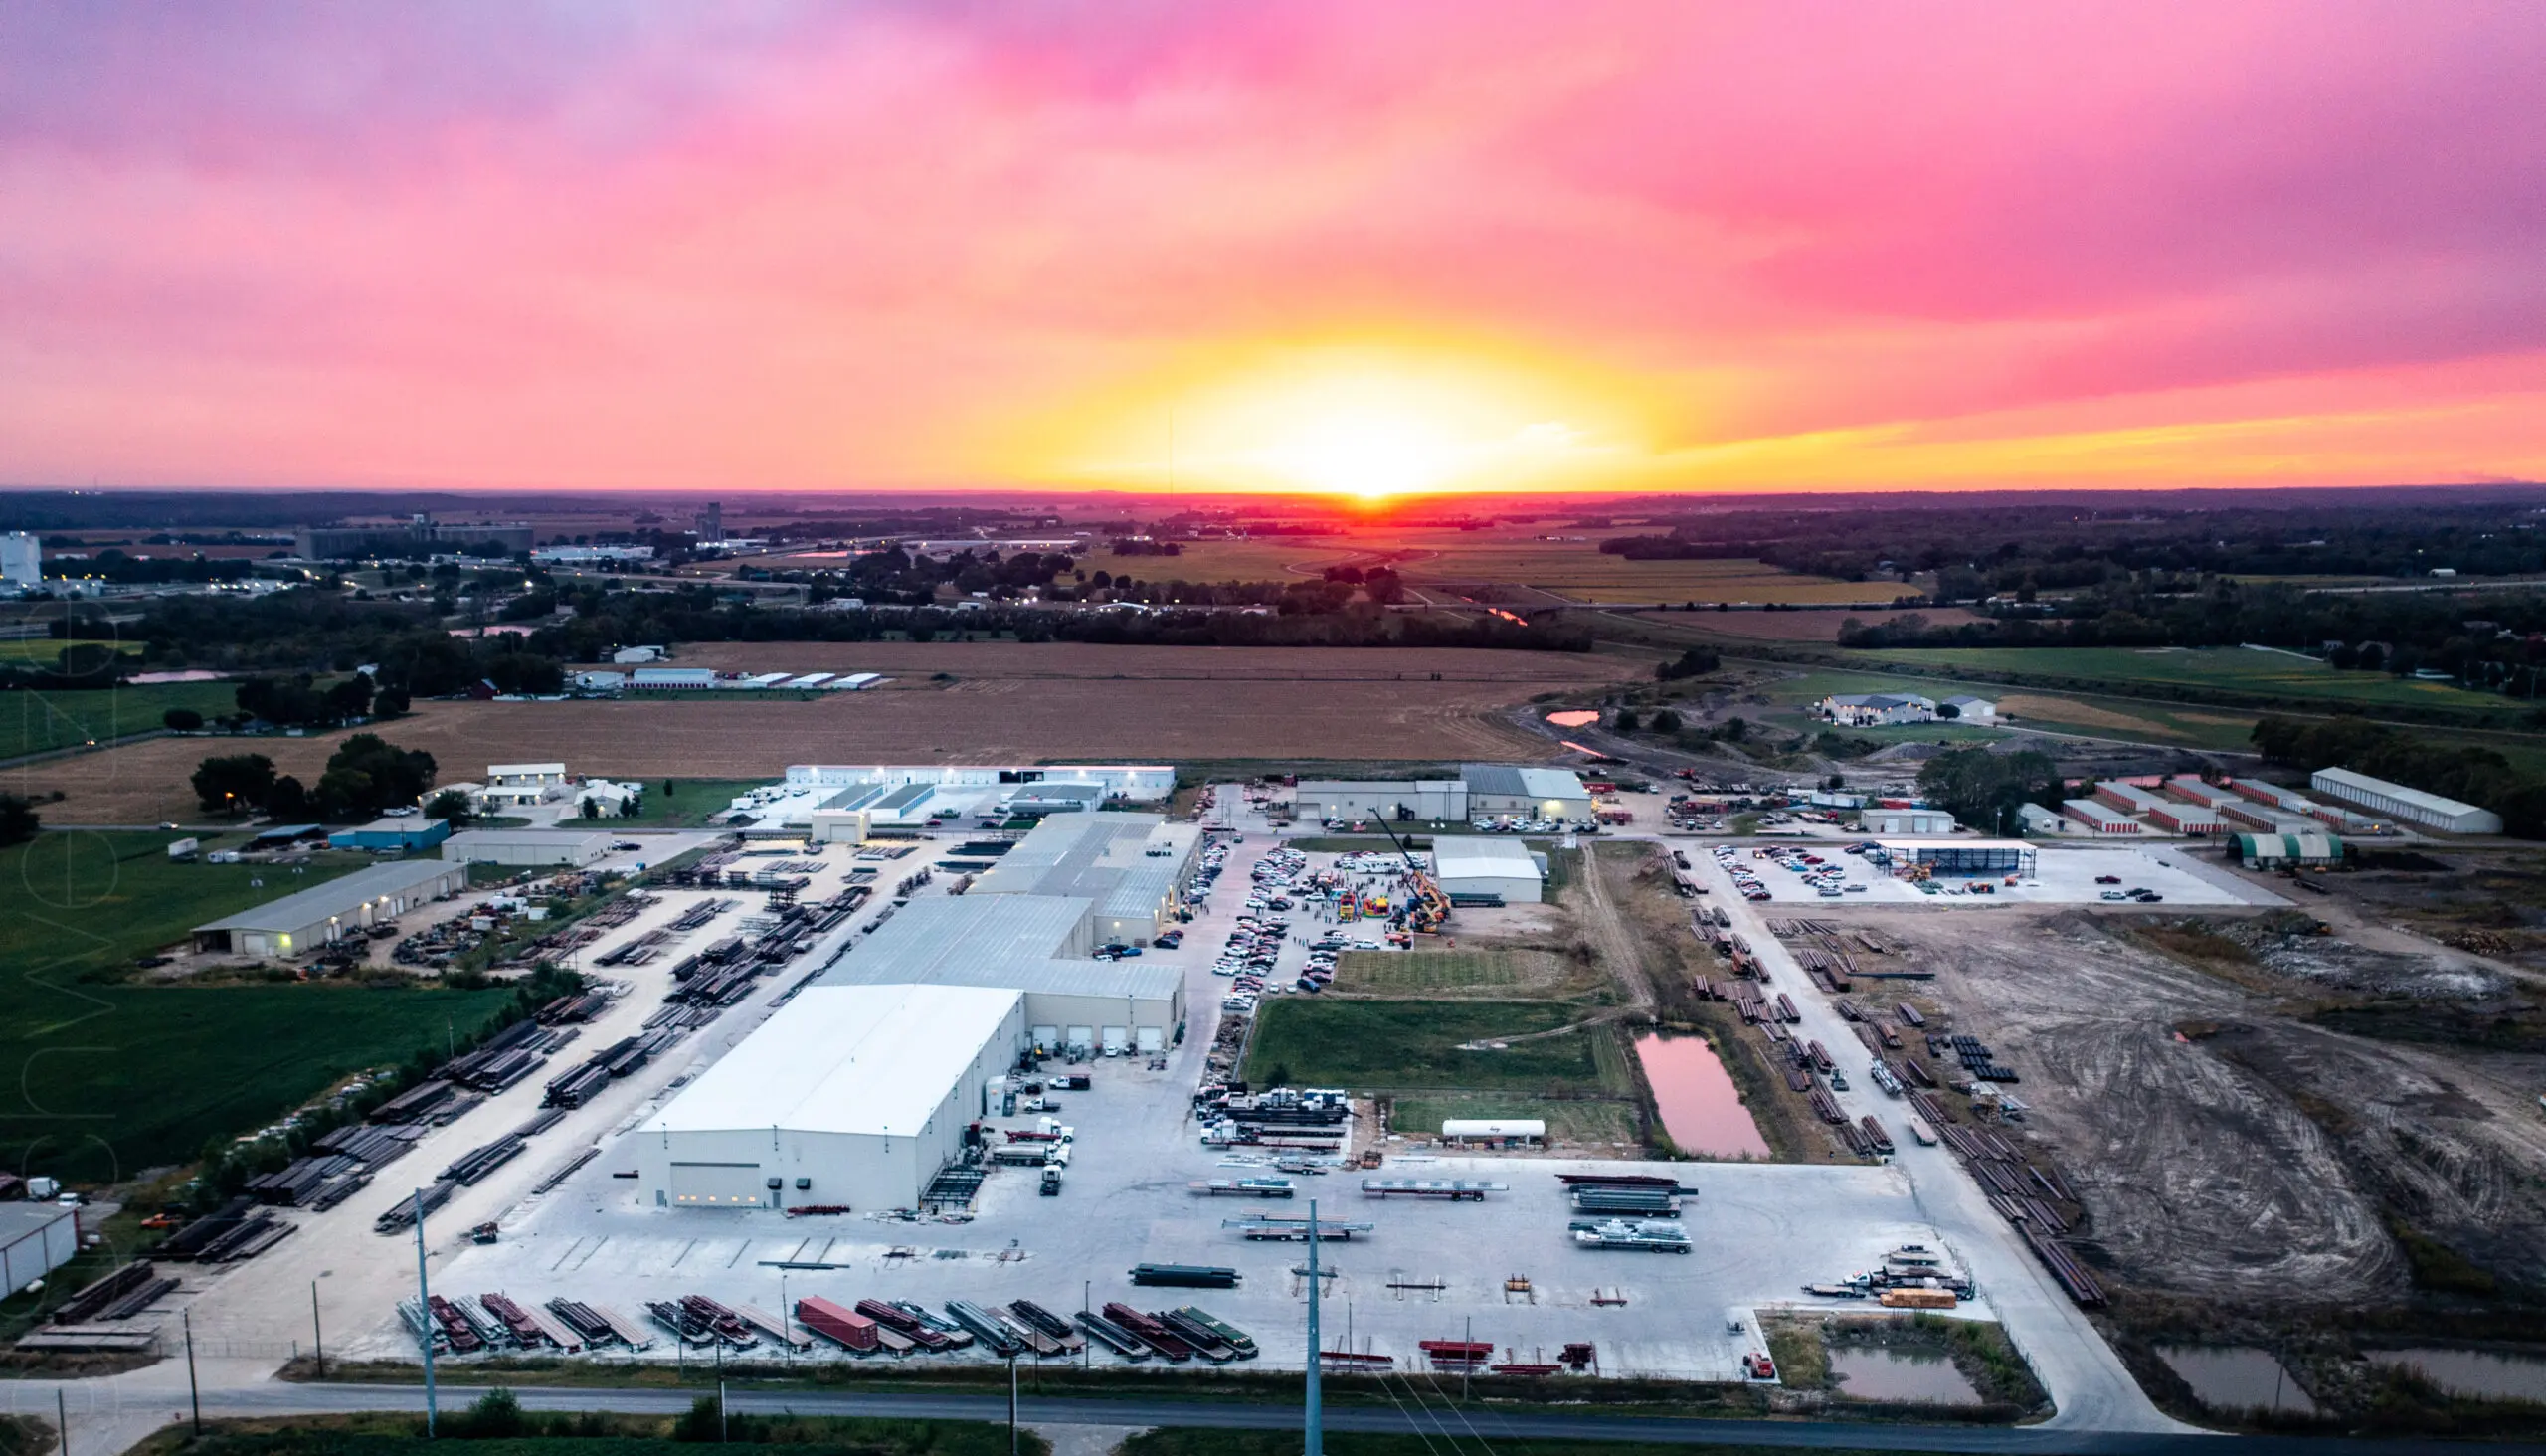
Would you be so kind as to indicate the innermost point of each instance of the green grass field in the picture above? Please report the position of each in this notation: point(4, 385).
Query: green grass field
point(2047, 709)
point(1384, 1045)
point(1385, 973)
point(2302, 679)
point(46, 652)
point(35, 722)
point(1568, 1119)
point(689, 803)
point(106, 1079)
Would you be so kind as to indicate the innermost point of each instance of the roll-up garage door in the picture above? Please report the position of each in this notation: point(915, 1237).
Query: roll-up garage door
point(1082, 1036)
point(719, 1185)
point(1117, 1038)
point(1152, 1040)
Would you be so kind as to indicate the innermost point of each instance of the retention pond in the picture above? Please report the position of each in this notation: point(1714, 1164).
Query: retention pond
point(1700, 1107)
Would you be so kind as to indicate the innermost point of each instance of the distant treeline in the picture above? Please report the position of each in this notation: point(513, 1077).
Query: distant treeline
point(2476, 776)
point(2484, 640)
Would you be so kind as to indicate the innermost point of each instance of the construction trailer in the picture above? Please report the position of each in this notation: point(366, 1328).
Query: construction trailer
point(848, 1096)
point(318, 917)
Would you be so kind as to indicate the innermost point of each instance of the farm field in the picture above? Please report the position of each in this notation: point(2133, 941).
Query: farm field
point(44, 652)
point(2192, 727)
point(1005, 702)
point(1817, 626)
point(136, 1076)
point(1578, 570)
point(1405, 1046)
point(2280, 674)
point(34, 721)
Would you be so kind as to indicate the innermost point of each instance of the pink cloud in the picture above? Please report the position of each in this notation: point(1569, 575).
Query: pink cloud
point(816, 245)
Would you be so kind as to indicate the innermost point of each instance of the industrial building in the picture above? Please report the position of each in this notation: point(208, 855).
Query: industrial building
point(672, 679)
point(35, 1240)
point(1439, 800)
point(411, 541)
point(1962, 857)
point(2033, 819)
point(2099, 818)
point(527, 849)
point(850, 1096)
point(1972, 709)
point(847, 802)
point(1503, 792)
point(405, 835)
point(1477, 867)
point(22, 561)
point(513, 785)
point(1876, 709)
point(2194, 790)
point(2286, 851)
point(1133, 867)
point(1040, 946)
point(1907, 822)
point(318, 917)
point(2412, 806)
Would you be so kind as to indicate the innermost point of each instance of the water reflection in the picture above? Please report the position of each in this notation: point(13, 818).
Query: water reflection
point(1884, 1373)
point(1574, 718)
point(2236, 1378)
point(1695, 1095)
point(2475, 1372)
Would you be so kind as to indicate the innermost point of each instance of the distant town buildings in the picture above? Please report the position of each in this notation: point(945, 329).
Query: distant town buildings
point(21, 561)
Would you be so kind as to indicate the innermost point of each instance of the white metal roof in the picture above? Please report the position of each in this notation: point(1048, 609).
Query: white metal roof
point(1482, 856)
point(343, 895)
point(2363, 783)
point(871, 1059)
point(1012, 940)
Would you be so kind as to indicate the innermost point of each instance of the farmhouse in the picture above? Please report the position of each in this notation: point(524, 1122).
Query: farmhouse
point(1482, 869)
point(2412, 806)
point(319, 916)
point(850, 1096)
point(1872, 709)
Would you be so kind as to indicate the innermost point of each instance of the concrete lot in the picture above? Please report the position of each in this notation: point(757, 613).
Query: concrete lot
point(2064, 875)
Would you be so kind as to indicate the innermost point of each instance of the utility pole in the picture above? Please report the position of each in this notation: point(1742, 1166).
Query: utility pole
point(1468, 1364)
point(1087, 1348)
point(1316, 1433)
point(62, 1416)
point(317, 1333)
point(1012, 1405)
point(194, 1391)
point(425, 1300)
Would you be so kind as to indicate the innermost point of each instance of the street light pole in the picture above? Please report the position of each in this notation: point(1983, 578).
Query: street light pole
point(194, 1391)
point(425, 1303)
point(1316, 1432)
point(317, 1333)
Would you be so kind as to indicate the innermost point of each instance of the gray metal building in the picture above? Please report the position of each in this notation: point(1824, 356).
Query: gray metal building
point(1133, 867)
point(314, 918)
point(527, 849)
point(1037, 944)
point(1386, 799)
point(1505, 792)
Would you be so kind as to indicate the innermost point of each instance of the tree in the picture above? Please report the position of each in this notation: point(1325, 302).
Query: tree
point(1695, 662)
point(18, 821)
point(1665, 720)
point(1948, 712)
point(182, 720)
point(452, 805)
point(287, 800)
point(1979, 786)
point(235, 783)
point(1626, 721)
point(369, 774)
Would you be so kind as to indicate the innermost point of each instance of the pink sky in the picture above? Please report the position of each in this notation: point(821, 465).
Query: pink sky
point(1670, 246)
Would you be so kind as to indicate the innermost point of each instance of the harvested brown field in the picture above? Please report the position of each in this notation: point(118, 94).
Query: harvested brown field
point(2068, 712)
point(1002, 702)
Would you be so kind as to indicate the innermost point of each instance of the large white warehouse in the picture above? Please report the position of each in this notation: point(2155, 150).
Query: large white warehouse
point(1479, 865)
point(1035, 943)
point(852, 1095)
point(2413, 805)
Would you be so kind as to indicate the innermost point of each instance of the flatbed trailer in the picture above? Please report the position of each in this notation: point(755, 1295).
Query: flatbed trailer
point(1243, 1187)
point(1457, 1190)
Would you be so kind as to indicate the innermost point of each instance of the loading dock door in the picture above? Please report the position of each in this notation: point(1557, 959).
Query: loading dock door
point(1115, 1039)
point(1152, 1040)
point(1048, 1038)
point(1082, 1036)
point(718, 1186)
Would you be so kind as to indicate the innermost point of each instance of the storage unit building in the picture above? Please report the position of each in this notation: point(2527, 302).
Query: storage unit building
point(393, 836)
point(2099, 818)
point(314, 918)
point(2128, 797)
point(527, 849)
point(2186, 818)
point(849, 1095)
point(1481, 865)
point(2288, 851)
point(2412, 806)
point(2271, 793)
point(2263, 816)
point(1436, 800)
point(1503, 792)
point(35, 1240)
point(1907, 822)
point(2194, 790)
point(1038, 945)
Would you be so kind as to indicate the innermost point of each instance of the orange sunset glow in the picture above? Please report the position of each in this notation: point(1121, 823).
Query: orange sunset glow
point(1365, 252)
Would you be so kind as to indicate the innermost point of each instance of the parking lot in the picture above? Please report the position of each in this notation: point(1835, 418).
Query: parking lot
point(2063, 876)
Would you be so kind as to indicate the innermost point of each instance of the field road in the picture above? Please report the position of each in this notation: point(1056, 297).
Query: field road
point(2086, 1381)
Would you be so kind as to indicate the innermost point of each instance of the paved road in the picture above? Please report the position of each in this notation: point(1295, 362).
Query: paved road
point(1439, 1420)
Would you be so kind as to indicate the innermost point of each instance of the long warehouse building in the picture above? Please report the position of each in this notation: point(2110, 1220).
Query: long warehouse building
point(1134, 867)
point(318, 917)
point(851, 1096)
point(2413, 805)
point(1038, 945)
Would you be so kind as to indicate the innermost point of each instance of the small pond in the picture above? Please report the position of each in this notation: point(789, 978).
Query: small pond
point(2236, 1378)
point(1888, 1372)
point(2475, 1372)
point(1699, 1108)
point(1574, 718)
